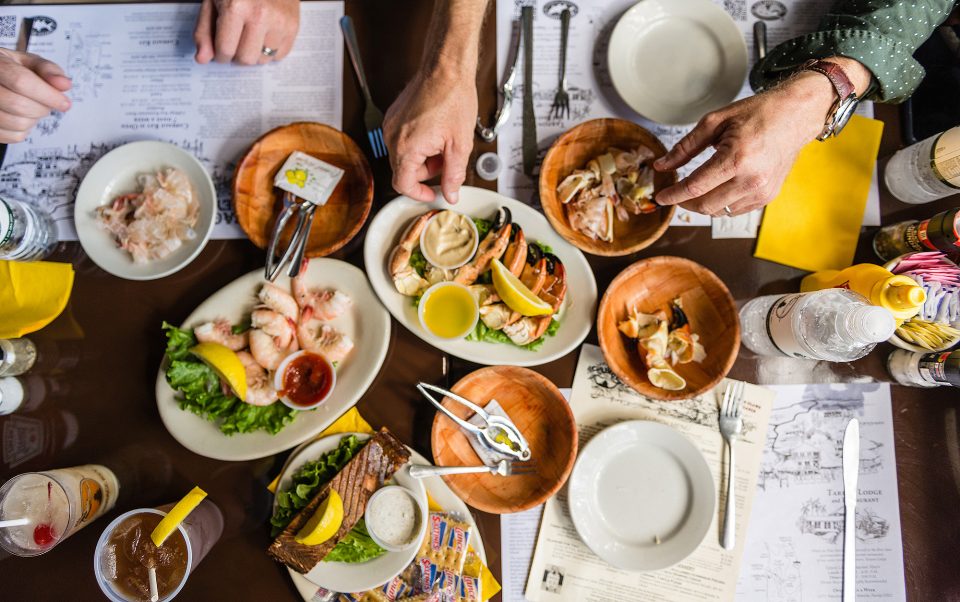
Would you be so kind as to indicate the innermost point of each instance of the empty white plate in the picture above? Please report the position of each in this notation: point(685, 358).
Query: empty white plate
point(116, 173)
point(641, 496)
point(673, 61)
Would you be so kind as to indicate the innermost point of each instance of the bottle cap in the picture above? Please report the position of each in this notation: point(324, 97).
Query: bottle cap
point(872, 324)
point(11, 395)
point(488, 166)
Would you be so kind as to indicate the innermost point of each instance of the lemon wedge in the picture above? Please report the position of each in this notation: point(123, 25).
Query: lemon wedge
point(516, 295)
point(324, 523)
point(169, 523)
point(224, 362)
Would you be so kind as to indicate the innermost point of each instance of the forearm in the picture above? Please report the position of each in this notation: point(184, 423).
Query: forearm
point(453, 38)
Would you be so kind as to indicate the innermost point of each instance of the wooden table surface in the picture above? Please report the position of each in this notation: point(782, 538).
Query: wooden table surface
point(102, 406)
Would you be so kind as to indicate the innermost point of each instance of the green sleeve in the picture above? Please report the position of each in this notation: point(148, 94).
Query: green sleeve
point(881, 34)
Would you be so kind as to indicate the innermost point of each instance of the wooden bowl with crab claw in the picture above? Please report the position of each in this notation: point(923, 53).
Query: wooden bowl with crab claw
point(652, 285)
point(572, 151)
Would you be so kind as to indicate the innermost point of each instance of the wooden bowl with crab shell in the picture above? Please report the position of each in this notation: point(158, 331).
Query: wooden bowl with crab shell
point(651, 285)
point(572, 151)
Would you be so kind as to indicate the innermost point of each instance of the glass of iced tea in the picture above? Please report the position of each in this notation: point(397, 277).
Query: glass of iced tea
point(125, 553)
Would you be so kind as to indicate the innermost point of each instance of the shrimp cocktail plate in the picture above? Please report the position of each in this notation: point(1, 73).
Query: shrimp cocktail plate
point(516, 244)
point(224, 389)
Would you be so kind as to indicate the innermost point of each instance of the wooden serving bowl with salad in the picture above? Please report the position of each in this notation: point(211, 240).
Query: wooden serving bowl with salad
point(573, 152)
point(707, 317)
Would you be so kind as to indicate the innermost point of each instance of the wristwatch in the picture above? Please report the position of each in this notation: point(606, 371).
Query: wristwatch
point(846, 102)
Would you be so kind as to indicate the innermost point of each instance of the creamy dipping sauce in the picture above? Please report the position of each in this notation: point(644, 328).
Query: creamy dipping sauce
point(393, 516)
point(449, 240)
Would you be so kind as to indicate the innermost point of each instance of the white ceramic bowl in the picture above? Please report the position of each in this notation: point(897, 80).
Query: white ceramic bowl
point(420, 526)
point(451, 266)
point(115, 174)
point(282, 368)
point(423, 305)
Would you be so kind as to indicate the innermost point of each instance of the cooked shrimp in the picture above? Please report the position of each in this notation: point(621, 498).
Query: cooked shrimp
point(260, 391)
point(221, 332)
point(406, 279)
point(553, 290)
point(326, 304)
point(317, 337)
point(279, 300)
point(272, 338)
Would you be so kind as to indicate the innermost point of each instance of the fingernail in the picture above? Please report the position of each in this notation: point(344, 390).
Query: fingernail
point(453, 197)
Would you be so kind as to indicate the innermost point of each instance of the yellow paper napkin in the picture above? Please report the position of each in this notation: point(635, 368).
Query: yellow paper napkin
point(815, 221)
point(32, 294)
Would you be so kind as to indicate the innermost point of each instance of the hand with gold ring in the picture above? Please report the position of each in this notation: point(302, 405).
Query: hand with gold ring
point(247, 32)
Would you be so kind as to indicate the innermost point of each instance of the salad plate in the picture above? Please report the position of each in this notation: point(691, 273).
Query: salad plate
point(352, 576)
point(365, 322)
point(641, 496)
point(435, 486)
point(574, 318)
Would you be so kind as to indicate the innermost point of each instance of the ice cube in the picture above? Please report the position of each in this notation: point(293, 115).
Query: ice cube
point(138, 584)
point(109, 562)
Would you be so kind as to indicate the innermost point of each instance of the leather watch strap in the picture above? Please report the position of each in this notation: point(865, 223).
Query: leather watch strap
point(529, 117)
point(833, 72)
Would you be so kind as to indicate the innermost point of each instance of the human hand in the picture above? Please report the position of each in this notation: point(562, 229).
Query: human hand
point(757, 140)
point(429, 130)
point(30, 88)
point(239, 30)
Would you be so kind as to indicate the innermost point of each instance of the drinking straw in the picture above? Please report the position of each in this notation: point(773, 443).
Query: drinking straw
point(154, 593)
point(14, 522)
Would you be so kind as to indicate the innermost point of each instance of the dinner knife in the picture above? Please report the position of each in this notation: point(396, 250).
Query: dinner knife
point(851, 470)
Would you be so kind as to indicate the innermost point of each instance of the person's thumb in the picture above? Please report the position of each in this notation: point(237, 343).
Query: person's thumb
point(454, 171)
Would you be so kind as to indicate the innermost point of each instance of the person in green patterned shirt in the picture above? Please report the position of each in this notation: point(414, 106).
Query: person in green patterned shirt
point(757, 139)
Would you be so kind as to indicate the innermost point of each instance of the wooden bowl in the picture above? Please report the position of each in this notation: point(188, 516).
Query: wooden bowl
point(258, 203)
point(543, 416)
point(572, 151)
point(650, 285)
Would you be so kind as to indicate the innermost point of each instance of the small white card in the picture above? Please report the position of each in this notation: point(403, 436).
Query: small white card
point(308, 177)
point(739, 226)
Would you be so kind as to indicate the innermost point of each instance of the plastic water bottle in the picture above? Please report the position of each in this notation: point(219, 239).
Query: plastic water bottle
point(836, 325)
point(926, 171)
point(925, 369)
point(27, 232)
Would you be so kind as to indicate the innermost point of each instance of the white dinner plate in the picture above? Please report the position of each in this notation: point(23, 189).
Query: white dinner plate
point(345, 576)
point(673, 61)
point(115, 174)
point(439, 491)
point(641, 496)
point(576, 314)
point(367, 323)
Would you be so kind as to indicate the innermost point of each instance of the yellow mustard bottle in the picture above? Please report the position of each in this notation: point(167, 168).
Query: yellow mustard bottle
point(897, 293)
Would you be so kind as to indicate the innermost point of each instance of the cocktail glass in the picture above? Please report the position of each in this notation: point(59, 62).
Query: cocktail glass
point(53, 505)
point(125, 551)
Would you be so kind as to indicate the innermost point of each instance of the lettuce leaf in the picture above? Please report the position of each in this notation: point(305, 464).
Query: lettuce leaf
point(356, 546)
point(201, 393)
point(308, 480)
point(487, 335)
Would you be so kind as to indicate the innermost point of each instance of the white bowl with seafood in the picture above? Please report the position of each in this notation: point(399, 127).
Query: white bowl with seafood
point(145, 210)
point(565, 278)
point(356, 340)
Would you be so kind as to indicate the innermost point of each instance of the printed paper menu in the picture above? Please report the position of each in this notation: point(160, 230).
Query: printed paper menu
point(563, 568)
point(134, 78)
point(794, 548)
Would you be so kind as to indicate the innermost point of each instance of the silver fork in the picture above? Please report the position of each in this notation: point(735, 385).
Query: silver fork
point(503, 468)
point(372, 116)
point(731, 423)
point(561, 100)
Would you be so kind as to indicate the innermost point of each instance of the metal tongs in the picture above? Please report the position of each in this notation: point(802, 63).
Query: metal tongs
point(498, 434)
point(488, 134)
point(298, 240)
